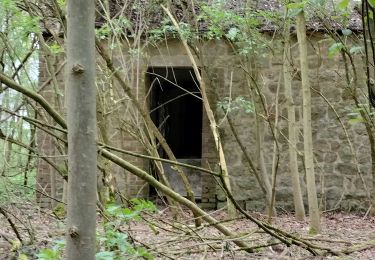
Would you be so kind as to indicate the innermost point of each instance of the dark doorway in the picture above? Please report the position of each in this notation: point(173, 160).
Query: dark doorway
point(176, 109)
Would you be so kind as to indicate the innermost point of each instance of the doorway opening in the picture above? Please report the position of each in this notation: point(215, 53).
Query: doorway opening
point(176, 109)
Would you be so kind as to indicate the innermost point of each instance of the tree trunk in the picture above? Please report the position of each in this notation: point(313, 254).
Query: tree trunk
point(81, 119)
point(210, 115)
point(307, 133)
point(293, 163)
point(259, 106)
point(276, 156)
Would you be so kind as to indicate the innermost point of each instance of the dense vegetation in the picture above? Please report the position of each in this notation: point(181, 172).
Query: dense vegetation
point(39, 39)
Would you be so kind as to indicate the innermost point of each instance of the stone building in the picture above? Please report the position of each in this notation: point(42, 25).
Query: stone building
point(161, 78)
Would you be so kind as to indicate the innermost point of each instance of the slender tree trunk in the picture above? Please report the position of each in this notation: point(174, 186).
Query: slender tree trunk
point(307, 132)
point(276, 156)
point(53, 193)
point(30, 156)
point(260, 158)
point(368, 40)
point(210, 116)
point(81, 119)
point(255, 92)
point(293, 163)
point(152, 130)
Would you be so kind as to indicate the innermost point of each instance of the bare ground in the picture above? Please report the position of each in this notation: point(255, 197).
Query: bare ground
point(353, 234)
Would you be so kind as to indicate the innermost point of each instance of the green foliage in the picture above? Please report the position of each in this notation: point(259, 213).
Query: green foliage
point(117, 246)
point(62, 5)
point(54, 253)
point(354, 115)
point(343, 4)
point(241, 30)
point(115, 27)
point(133, 213)
point(13, 160)
point(167, 29)
point(59, 210)
point(55, 48)
point(12, 189)
point(239, 103)
point(335, 49)
point(113, 244)
point(371, 2)
point(296, 8)
point(17, 31)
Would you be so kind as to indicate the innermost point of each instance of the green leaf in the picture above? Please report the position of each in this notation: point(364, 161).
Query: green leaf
point(232, 33)
point(59, 244)
point(371, 2)
point(56, 49)
point(48, 254)
point(299, 5)
point(335, 49)
point(113, 209)
point(16, 244)
point(141, 251)
point(22, 257)
point(343, 4)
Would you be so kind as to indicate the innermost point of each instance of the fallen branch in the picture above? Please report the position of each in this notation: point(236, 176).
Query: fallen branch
point(359, 247)
point(11, 223)
point(283, 236)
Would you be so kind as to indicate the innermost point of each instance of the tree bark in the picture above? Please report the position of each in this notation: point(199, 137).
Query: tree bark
point(81, 121)
point(293, 163)
point(210, 116)
point(307, 132)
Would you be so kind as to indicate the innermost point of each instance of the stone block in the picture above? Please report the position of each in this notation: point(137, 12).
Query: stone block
point(220, 194)
point(333, 193)
point(330, 157)
point(346, 168)
point(207, 205)
point(220, 205)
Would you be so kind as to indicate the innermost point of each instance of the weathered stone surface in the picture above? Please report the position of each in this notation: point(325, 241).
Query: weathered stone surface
point(224, 77)
point(321, 145)
point(345, 155)
point(333, 193)
point(335, 146)
point(346, 168)
point(364, 158)
point(330, 157)
point(207, 205)
point(319, 156)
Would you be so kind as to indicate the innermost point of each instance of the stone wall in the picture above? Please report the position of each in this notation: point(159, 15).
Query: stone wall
point(338, 181)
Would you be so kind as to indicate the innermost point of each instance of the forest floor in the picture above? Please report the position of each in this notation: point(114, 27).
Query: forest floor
point(158, 232)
